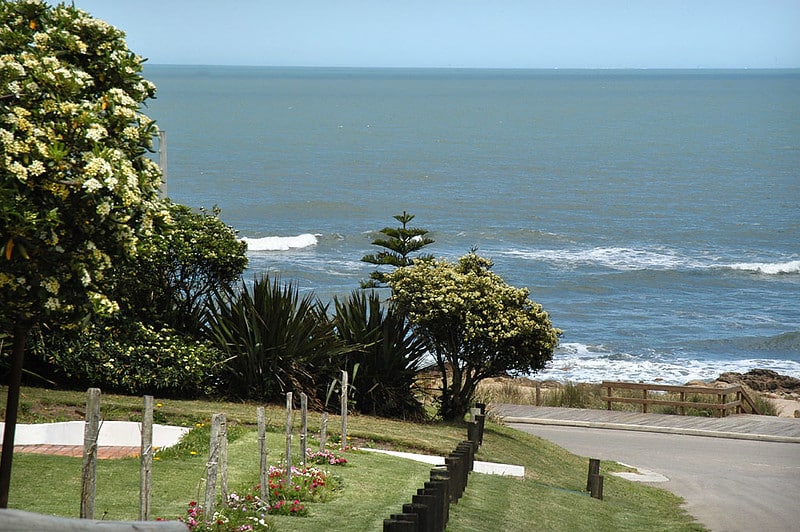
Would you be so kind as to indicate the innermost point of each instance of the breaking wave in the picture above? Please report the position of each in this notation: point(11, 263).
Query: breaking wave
point(280, 243)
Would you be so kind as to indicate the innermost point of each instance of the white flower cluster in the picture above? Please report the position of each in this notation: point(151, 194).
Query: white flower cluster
point(467, 301)
point(71, 144)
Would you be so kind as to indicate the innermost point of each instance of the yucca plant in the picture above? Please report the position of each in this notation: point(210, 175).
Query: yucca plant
point(275, 341)
point(386, 353)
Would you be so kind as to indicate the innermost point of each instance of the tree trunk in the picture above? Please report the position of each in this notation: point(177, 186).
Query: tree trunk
point(12, 406)
point(459, 396)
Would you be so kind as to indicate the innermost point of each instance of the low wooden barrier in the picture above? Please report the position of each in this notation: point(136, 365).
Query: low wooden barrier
point(731, 399)
point(429, 510)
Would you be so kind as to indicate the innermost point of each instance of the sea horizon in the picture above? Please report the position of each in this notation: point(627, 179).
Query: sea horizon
point(652, 212)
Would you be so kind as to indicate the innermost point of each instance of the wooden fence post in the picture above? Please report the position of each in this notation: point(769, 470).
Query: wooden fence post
point(146, 459)
point(263, 472)
point(89, 469)
point(223, 457)
point(303, 428)
point(323, 431)
point(344, 409)
point(594, 470)
point(217, 421)
point(597, 487)
point(288, 439)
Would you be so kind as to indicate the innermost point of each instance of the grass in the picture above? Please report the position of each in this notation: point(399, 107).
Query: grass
point(550, 497)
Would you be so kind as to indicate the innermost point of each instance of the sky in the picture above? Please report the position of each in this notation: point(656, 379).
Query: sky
point(461, 33)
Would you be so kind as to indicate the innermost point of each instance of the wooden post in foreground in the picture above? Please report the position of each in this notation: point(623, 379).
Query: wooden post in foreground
point(323, 431)
point(594, 470)
point(146, 459)
point(288, 439)
point(223, 457)
point(217, 420)
point(263, 472)
point(344, 409)
point(89, 470)
point(597, 487)
point(303, 428)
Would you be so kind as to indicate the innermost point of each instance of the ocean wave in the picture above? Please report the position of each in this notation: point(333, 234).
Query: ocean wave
point(616, 258)
point(581, 363)
point(632, 259)
point(768, 268)
point(280, 243)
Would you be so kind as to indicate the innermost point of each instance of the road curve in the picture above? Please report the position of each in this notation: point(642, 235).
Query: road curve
point(729, 485)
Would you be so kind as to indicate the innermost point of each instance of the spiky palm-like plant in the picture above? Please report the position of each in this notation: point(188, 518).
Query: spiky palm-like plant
point(387, 355)
point(276, 341)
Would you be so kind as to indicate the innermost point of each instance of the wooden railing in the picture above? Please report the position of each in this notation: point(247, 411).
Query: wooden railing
point(731, 399)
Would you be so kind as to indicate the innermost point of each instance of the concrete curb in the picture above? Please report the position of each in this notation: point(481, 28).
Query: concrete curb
point(112, 434)
point(649, 428)
point(489, 468)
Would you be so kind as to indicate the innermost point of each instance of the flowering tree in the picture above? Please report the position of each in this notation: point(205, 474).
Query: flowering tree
point(474, 324)
point(76, 187)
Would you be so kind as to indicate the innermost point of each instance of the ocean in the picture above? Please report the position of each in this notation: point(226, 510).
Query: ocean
point(654, 214)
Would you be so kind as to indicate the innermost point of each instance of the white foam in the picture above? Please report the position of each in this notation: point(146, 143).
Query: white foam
point(768, 268)
point(616, 258)
point(280, 243)
point(631, 259)
point(580, 363)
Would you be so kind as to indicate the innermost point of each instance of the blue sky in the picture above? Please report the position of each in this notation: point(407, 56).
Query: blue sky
point(461, 33)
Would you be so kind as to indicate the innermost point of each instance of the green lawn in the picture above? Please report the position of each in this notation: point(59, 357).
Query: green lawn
point(550, 497)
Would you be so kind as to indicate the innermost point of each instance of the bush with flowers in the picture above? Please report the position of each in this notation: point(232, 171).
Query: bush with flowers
point(307, 484)
point(474, 324)
point(128, 357)
point(77, 189)
point(246, 510)
point(238, 514)
point(324, 456)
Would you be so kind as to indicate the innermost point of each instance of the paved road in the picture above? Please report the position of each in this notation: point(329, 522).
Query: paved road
point(728, 484)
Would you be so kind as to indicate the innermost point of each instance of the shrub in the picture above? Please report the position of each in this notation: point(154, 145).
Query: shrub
point(274, 341)
point(575, 395)
point(386, 355)
point(474, 324)
point(131, 359)
point(179, 267)
point(764, 405)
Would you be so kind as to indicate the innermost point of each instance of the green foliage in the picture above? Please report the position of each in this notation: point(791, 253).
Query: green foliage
point(77, 190)
point(387, 356)
point(131, 358)
point(575, 395)
point(764, 405)
point(274, 340)
point(179, 268)
point(399, 243)
point(475, 325)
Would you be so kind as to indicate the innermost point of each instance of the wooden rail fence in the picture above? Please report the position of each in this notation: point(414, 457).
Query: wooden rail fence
point(731, 399)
